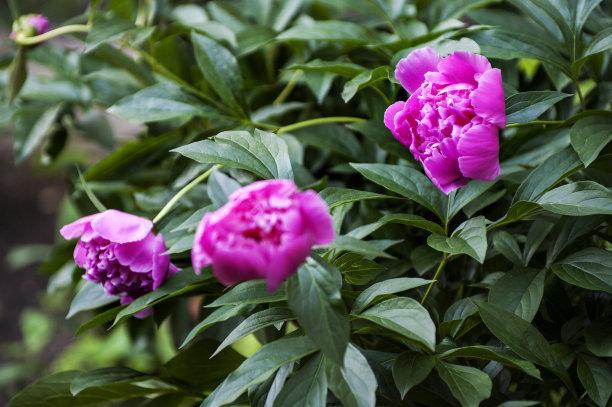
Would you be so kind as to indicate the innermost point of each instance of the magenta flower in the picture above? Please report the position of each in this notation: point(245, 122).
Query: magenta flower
point(30, 25)
point(120, 252)
point(266, 230)
point(451, 121)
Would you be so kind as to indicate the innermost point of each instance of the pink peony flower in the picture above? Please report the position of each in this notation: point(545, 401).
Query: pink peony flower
point(120, 252)
point(451, 121)
point(266, 230)
point(30, 25)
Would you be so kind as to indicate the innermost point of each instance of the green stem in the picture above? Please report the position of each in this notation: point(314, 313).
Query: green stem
point(289, 87)
point(14, 9)
point(262, 125)
point(176, 198)
point(435, 277)
point(534, 123)
point(67, 29)
point(580, 96)
point(321, 120)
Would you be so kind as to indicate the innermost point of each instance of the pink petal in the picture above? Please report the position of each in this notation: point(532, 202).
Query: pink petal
point(121, 227)
point(236, 264)
point(161, 263)
point(288, 257)
point(80, 254)
point(478, 150)
point(488, 98)
point(316, 217)
point(462, 66)
point(390, 115)
point(200, 258)
point(411, 70)
point(77, 228)
point(442, 167)
point(138, 255)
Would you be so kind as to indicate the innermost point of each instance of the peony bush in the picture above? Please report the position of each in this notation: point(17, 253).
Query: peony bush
point(324, 203)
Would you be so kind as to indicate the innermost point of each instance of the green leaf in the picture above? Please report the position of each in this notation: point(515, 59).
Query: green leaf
point(90, 296)
point(589, 268)
point(220, 187)
point(33, 126)
point(590, 135)
point(336, 67)
point(524, 107)
point(519, 291)
point(102, 318)
point(547, 175)
point(195, 17)
point(567, 230)
point(520, 336)
point(220, 69)
point(353, 383)
point(259, 367)
point(339, 196)
point(407, 182)
point(411, 368)
point(160, 102)
point(463, 196)
point(467, 384)
point(307, 387)
point(196, 366)
point(254, 323)
point(383, 288)
point(469, 238)
point(351, 244)
point(261, 153)
point(314, 297)
point(501, 44)
point(219, 315)
point(18, 73)
point(250, 292)
point(101, 377)
point(331, 137)
point(329, 30)
point(598, 338)
point(546, 15)
point(596, 376)
point(181, 283)
point(411, 220)
point(601, 42)
point(538, 231)
point(506, 244)
point(364, 79)
point(492, 353)
point(580, 198)
point(356, 269)
point(406, 317)
point(106, 27)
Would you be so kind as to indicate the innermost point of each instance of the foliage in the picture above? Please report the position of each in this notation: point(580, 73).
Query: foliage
point(498, 292)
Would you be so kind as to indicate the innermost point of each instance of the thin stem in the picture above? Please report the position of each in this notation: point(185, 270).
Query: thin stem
point(14, 10)
point(289, 87)
point(534, 123)
point(67, 29)
point(435, 277)
point(176, 198)
point(262, 125)
point(321, 120)
point(90, 194)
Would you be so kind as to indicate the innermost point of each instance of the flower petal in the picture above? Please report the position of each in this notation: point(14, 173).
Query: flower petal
point(287, 258)
point(462, 66)
point(390, 115)
point(478, 150)
point(235, 264)
point(411, 70)
point(488, 98)
point(121, 227)
point(138, 255)
point(77, 228)
point(442, 167)
point(316, 217)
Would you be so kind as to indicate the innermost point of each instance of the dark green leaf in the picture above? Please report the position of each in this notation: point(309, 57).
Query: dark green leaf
point(469, 385)
point(580, 198)
point(90, 296)
point(519, 291)
point(340, 196)
point(590, 135)
point(598, 337)
point(527, 106)
point(101, 377)
point(249, 292)
point(596, 377)
point(354, 382)
point(220, 314)
point(18, 73)
point(258, 368)
point(314, 297)
point(469, 238)
point(364, 79)
point(590, 268)
point(463, 196)
point(507, 245)
point(329, 30)
point(386, 287)
point(410, 369)
point(307, 387)
point(220, 187)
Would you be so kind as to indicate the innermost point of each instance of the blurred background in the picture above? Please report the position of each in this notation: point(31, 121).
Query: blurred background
point(35, 337)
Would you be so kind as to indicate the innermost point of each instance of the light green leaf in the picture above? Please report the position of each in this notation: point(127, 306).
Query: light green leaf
point(328, 30)
point(220, 187)
point(32, 127)
point(364, 79)
point(336, 67)
point(406, 317)
point(469, 385)
point(90, 296)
